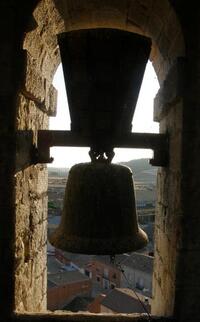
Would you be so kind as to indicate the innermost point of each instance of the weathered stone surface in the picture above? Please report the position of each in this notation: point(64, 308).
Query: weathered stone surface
point(31, 197)
point(31, 221)
point(51, 101)
point(168, 214)
point(34, 86)
point(171, 90)
point(39, 89)
point(59, 316)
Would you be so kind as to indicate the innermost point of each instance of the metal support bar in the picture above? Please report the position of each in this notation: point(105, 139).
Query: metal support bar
point(157, 142)
point(28, 153)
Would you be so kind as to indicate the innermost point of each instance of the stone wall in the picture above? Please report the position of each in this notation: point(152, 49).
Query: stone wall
point(188, 262)
point(168, 109)
point(60, 316)
point(36, 101)
point(13, 25)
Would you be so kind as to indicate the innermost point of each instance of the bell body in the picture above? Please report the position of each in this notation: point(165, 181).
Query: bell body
point(99, 213)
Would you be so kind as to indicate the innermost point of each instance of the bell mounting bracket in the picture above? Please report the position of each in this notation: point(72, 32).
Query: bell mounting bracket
point(29, 153)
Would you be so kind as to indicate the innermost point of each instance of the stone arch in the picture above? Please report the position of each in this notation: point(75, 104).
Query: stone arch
point(151, 18)
point(37, 101)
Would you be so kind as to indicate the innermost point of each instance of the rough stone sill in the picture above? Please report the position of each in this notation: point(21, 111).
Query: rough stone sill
point(58, 316)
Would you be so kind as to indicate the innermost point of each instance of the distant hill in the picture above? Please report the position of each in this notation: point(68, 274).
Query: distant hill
point(142, 170)
point(57, 172)
point(138, 165)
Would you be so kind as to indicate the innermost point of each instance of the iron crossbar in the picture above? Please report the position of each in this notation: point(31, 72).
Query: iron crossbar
point(28, 153)
point(157, 142)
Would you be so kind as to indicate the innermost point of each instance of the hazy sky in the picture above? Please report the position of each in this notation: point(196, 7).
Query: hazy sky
point(142, 122)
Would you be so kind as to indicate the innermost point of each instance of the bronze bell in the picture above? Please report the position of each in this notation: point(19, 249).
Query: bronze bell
point(99, 213)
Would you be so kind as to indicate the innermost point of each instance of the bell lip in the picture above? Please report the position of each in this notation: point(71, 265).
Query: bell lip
point(99, 246)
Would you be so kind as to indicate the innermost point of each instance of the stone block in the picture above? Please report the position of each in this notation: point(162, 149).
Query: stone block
point(138, 14)
point(171, 90)
point(163, 43)
point(37, 211)
point(177, 48)
point(94, 13)
point(163, 277)
point(38, 89)
point(31, 236)
point(52, 101)
point(34, 86)
point(152, 25)
point(37, 179)
point(23, 220)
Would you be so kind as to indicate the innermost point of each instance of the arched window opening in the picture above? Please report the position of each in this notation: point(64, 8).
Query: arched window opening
point(35, 105)
point(97, 275)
